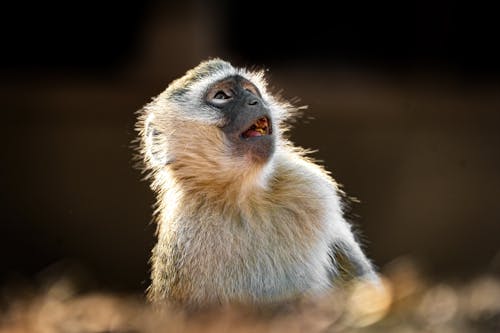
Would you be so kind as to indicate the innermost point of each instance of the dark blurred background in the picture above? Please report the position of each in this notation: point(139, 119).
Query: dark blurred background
point(404, 109)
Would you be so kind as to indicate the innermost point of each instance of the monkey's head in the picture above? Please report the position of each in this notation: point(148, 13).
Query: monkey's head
point(214, 125)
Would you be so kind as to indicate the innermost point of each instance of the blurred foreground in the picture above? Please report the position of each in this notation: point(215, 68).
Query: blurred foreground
point(407, 303)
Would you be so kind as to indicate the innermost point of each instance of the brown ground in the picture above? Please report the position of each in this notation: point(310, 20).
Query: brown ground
point(407, 303)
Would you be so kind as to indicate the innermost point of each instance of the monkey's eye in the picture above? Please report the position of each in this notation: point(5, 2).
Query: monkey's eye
point(221, 95)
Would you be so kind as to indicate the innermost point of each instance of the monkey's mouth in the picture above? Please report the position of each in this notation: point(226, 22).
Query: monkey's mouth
point(260, 127)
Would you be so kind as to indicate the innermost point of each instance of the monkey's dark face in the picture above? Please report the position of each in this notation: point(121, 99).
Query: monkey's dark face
point(215, 125)
point(248, 124)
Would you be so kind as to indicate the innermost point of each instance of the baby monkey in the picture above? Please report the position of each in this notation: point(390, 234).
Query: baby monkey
point(243, 215)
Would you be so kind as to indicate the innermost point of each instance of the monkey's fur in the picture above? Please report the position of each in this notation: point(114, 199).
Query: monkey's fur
point(243, 219)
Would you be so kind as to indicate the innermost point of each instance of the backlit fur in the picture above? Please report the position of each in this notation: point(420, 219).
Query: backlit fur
point(230, 229)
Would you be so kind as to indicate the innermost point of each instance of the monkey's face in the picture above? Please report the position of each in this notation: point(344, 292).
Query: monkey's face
point(248, 125)
point(215, 123)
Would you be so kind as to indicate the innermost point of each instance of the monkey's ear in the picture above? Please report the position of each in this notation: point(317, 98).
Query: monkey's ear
point(155, 144)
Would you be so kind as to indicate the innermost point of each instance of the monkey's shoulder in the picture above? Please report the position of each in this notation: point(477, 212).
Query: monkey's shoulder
point(296, 175)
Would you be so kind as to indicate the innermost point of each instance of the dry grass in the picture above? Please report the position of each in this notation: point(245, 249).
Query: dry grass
point(406, 304)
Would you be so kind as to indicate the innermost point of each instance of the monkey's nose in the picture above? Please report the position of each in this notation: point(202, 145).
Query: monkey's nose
point(253, 101)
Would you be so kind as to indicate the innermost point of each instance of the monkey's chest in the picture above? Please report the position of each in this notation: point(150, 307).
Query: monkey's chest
point(244, 262)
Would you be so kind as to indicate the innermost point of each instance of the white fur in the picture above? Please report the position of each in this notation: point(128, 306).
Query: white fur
point(231, 230)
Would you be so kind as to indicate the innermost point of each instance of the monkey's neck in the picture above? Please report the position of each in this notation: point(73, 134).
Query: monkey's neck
point(218, 183)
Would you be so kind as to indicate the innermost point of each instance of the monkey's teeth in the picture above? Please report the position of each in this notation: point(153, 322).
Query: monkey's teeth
point(259, 128)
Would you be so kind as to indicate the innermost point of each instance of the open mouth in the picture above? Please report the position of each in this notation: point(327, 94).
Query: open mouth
point(260, 127)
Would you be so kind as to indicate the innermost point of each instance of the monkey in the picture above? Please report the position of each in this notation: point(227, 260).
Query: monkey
point(243, 215)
